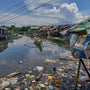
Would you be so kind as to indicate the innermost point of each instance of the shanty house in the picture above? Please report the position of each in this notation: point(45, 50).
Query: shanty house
point(64, 29)
point(80, 40)
point(3, 33)
point(44, 31)
point(34, 29)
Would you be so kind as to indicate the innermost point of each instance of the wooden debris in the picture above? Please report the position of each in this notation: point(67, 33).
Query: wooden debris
point(13, 74)
point(68, 58)
point(71, 59)
point(38, 77)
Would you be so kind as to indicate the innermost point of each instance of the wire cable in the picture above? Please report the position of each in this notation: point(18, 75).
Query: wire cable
point(11, 7)
point(28, 11)
point(17, 10)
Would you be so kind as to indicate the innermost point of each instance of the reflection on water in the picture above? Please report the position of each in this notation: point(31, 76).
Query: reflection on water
point(3, 45)
point(38, 45)
point(31, 54)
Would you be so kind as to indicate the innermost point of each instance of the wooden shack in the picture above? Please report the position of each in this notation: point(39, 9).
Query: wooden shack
point(44, 31)
point(3, 33)
point(80, 40)
point(34, 29)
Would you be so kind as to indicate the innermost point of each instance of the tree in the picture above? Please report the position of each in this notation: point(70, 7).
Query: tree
point(12, 27)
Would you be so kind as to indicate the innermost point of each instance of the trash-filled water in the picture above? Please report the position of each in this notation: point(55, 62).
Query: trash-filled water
point(24, 55)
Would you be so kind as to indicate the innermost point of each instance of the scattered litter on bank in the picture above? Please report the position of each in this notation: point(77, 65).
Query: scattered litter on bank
point(61, 77)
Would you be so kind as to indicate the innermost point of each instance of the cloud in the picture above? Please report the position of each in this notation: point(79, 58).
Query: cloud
point(71, 13)
point(54, 10)
point(57, 12)
point(35, 21)
point(30, 20)
point(66, 13)
point(52, 13)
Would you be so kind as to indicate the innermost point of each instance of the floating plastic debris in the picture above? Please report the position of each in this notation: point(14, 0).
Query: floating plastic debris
point(50, 61)
point(39, 68)
point(20, 62)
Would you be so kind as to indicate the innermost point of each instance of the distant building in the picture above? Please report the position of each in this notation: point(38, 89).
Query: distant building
point(54, 26)
point(3, 33)
point(64, 29)
point(80, 40)
point(52, 31)
point(34, 29)
point(44, 31)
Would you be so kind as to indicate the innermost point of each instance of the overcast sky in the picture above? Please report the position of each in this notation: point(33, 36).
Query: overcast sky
point(56, 12)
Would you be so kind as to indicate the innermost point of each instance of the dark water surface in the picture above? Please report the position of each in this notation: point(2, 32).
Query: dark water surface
point(24, 49)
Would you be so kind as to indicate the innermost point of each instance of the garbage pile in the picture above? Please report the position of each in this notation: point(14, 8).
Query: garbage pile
point(62, 77)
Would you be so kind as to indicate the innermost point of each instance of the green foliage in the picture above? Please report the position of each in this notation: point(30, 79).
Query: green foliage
point(12, 27)
point(58, 41)
point(17, 29)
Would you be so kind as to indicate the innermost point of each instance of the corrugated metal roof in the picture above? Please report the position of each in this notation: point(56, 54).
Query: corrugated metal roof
point(34, 27)
point(84, 26)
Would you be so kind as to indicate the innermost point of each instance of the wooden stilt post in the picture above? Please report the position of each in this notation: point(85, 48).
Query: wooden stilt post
point(87, 87)
point(81, 61)
point(77, 74)
point(85, 68)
